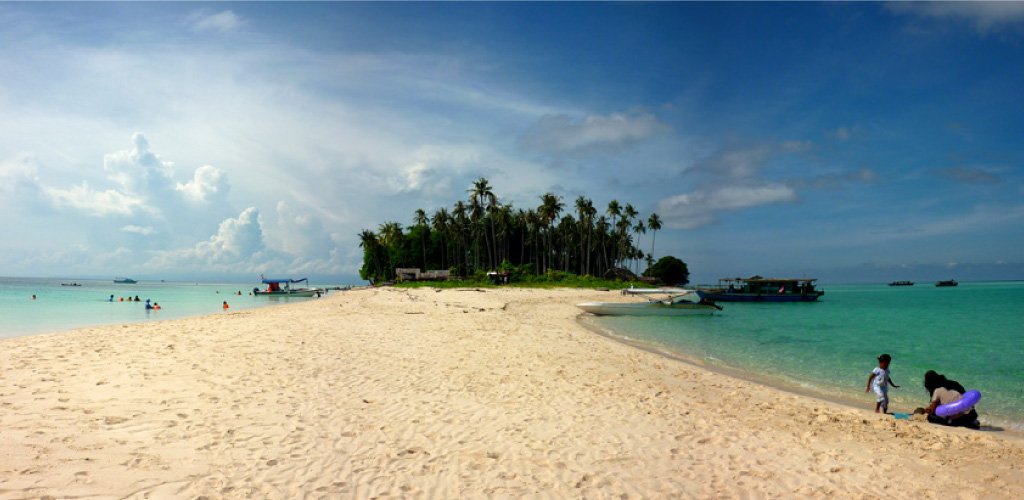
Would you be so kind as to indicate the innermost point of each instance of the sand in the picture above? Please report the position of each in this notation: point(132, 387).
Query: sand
point(393, 393)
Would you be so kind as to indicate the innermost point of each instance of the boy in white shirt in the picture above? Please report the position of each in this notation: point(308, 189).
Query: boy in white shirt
point(879, 382)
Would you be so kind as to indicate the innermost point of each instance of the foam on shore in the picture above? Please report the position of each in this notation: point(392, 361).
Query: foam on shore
point(441, 394)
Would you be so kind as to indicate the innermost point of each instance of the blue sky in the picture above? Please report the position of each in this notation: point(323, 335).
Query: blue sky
point(852, 142)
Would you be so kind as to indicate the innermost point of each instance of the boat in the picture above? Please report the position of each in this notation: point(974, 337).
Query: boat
point(675, 302)
point(70, 284)
point(758, 289)
point(284, 288)
point(125, 281)
point(947, 283)
point(902, 283)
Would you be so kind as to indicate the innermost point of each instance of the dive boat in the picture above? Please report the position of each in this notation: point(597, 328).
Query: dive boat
point(676, 302)
point(902, 283)
point(125, 281)
point(283, 288)
point(947, 283)
point(759, 289)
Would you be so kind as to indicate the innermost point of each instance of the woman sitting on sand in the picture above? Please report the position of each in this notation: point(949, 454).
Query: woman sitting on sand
point(944, 391)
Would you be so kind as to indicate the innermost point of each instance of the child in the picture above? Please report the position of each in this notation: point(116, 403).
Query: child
point(879, 382)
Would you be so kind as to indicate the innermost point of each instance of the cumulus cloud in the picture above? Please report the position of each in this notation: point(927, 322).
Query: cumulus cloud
point(700, 208)
point(207, 182)
point(985, 17)
point(967, 175)
point(221, 21)
point(237, 245)
point(564, 134)
point(91, 202)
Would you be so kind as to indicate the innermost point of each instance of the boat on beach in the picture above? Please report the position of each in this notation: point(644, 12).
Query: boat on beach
point(125, 281)
point(902, 283)
point(674, 302)
point(284, 288)
point(758, 289)
point(947, 283)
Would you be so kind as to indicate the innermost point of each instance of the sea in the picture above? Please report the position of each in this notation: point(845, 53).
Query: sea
point(58, 305)
point(972, 333)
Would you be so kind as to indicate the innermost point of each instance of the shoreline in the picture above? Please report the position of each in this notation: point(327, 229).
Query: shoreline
point(417, 393)
point(1009, 429)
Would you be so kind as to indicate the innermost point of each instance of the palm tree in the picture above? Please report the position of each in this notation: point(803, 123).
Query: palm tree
point(628, 214)
point(482, 199)
point(440, 223)
point(459, 221)
point(654, 224)
point(550, 207)
point(368, 241)
point(421, 220)
point(638, 230)
point(391, 237)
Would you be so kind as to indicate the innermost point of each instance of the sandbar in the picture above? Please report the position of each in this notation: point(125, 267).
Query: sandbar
point(454, 393)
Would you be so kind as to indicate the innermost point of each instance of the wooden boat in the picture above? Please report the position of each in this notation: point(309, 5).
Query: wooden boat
point(758, 289)
point(125, 281)
point(947, 283)
point(676, 302)
point(283, 288)
point(902, 283)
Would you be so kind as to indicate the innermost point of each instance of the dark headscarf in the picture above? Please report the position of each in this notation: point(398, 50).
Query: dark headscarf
point(934, 380)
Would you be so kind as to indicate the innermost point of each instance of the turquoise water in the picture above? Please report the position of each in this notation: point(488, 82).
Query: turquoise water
point(972, 333)
point(58, 308)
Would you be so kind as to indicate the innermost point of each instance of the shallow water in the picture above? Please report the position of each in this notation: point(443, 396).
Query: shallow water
point(58, 307)
point(972, 333)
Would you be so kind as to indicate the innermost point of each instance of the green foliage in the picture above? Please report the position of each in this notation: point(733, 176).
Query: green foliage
point(670, 270)
point(542, 245)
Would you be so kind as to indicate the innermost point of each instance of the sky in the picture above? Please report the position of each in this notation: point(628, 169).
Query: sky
point(846, 141)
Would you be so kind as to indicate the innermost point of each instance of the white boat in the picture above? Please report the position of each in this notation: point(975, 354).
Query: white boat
point(283, 288)
point(676, 302)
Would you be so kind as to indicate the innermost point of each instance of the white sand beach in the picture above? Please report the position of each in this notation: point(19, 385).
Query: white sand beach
point(394, 393)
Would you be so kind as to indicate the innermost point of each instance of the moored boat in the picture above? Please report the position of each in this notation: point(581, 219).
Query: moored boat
point(947, 283)
point(677, 302)
point(758, 289)
point(284, 288)
point(902, 283)
point(125, 281)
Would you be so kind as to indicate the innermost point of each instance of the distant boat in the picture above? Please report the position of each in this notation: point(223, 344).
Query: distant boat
point(125, 281)
point(70, 284)
point(283, 288)
point(902, 283)
point(675, 303)
point(947, 283)
point(758, 289)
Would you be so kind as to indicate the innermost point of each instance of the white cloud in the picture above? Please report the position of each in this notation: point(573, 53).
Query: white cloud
point(221, 21)
point(564, 134)
point(93, 203)
point(700, 208)
point(207, 182)
point(237, 246)
point(144, 231)
point(986, 17)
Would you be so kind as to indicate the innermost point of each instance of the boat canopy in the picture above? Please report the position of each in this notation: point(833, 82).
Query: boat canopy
point(286, 280)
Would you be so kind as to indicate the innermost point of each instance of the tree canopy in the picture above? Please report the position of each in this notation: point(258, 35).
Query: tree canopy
point(482, 234)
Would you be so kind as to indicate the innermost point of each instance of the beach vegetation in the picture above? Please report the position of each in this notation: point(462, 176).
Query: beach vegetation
point(670, 270)
point(554, 242)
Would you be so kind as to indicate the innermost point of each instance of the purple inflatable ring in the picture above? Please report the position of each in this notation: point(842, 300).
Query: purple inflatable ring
point(962, 405)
